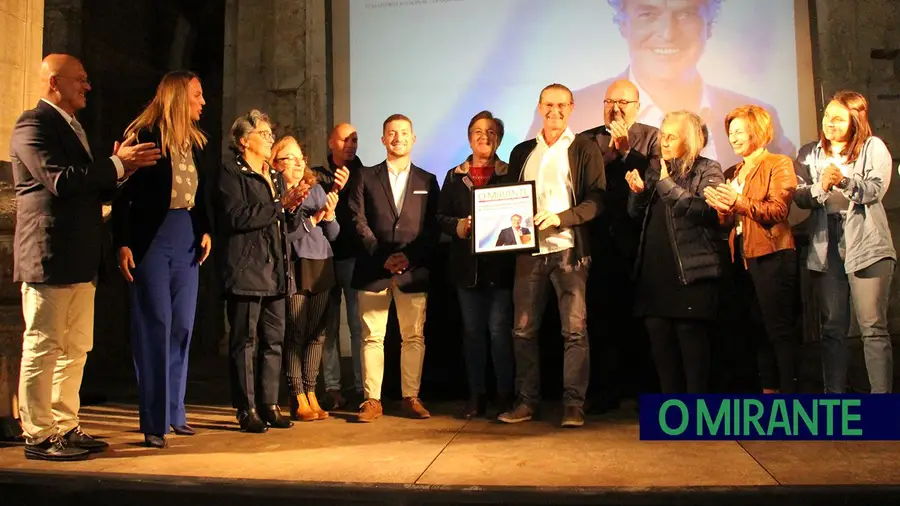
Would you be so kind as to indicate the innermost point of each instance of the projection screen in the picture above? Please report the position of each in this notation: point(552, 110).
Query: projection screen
point(442, 61)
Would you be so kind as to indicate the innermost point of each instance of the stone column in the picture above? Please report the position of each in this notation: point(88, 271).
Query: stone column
point(22, 23)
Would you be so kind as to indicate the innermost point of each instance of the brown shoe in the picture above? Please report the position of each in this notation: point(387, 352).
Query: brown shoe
point(300, 409)
point(369, 411)
point(314, 405)
point(413, 408)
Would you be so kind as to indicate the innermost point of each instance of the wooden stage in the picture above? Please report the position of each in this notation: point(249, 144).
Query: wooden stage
point(443, 460)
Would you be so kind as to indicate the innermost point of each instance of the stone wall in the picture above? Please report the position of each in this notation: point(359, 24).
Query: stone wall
point(275, 61)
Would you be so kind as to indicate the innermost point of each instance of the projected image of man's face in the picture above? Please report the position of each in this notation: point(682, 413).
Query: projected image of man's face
point(666, 38)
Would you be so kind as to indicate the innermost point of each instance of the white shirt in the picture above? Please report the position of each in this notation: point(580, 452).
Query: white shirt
point(517, 233)
point(398, 176)
point(120, 169)
point(651, 114)
point(548, 167)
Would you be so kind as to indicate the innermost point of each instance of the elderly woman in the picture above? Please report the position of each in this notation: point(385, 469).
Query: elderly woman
point(161, 229)
point(310, 228)
point(755, 204)
point(680, 256)
point(483, 284)
point(852, 254)
point(250, 217)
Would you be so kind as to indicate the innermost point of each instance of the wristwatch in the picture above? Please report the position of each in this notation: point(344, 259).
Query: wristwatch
point(843, 183)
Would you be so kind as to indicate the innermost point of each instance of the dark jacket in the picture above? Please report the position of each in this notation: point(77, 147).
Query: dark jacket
point(308, 240)
point(144, 199)
point(614, 229)
point(347, 243)
point(251, 236)
point(60, 192)
point(383, 231)
point(694, 233)
point(507, 236)
point(589, 184)
point(464, 268)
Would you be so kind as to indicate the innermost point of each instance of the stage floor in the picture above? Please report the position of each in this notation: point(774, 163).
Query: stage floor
point(444, 453)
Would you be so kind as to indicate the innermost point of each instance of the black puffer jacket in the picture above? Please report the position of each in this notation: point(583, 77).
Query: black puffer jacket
point(250, 241)
point(699, 244)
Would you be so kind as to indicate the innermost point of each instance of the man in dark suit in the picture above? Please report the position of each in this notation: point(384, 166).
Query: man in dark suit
point(393, 207)
point(665, 41)
point(60, 190)
point(620, 346)
point(516, 234)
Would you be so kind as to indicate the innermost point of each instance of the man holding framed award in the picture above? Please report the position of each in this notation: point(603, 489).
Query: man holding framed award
point(566, 174)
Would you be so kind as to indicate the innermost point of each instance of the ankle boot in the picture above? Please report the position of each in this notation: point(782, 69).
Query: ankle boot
point(314, 405)
point(251, 422)
point(300, 409)
point(273, 417)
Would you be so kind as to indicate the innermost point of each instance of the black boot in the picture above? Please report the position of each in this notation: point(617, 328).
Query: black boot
point(251, 422)
point(476, 406)
point(272, 416)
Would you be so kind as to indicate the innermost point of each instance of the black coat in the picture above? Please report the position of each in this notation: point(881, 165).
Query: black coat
point(696, 238)
point(347, 243)
point(60, 192)
point(383, 231)
point(143, 201)
point(464, 269)
point(588, 176)
point(250, 241)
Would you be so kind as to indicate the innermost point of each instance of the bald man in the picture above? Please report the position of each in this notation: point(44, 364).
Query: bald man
point(342, 144)
point(61, 184)
point(620, 346)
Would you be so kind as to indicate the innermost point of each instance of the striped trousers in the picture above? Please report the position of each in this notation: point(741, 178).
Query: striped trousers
point(303, 343)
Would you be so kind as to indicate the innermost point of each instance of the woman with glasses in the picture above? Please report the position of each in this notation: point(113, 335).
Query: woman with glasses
point(250, 220)
point(161, 230)
point(310, 229)
point(851, 254)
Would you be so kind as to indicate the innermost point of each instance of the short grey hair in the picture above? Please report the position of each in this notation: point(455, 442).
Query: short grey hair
point(243, 126)
point(713, 8)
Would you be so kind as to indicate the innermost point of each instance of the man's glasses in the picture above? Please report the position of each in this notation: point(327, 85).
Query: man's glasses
point(622, 103)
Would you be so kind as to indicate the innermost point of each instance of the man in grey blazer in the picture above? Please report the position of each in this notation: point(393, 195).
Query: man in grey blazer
point(60, 189)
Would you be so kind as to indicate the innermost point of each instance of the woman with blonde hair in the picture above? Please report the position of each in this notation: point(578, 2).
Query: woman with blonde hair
point(851, 254)
point(754, 204)
point(161, 230)
point(680, 256)
point(310, 228)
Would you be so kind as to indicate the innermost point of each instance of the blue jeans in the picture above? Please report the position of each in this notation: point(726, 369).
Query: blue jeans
point(331, 354)
point(869, 290)
point(488, 311)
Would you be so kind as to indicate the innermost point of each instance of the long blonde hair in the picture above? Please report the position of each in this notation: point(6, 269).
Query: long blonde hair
point(170, 112)
point(693, 134)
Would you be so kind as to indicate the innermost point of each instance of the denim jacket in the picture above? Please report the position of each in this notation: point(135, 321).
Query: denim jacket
point(866, 236)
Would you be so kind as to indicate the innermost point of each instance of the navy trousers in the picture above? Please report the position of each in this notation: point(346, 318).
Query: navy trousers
point(163, 305)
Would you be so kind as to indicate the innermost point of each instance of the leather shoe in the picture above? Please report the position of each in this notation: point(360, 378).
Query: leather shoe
point(54, 449)
point(413, 408)
point(183, 430)
point(76, 438)
point(251, 422)
point(155, 440)
point(476, 406)
point(272, 416)
point(573, 417)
